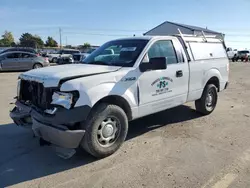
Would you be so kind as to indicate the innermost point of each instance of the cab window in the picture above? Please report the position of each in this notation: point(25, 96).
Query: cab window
point(163, 48)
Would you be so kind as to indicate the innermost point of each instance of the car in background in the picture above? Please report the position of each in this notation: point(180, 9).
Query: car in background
point(18, 60)
point(65, 60)
point(243, 55)
point(79, 57)
point(72, 59)
point(232, 54)
point(53, 57)
point(23, 49)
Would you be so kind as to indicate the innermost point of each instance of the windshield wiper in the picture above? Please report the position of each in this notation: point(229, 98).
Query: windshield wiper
point(97, 63)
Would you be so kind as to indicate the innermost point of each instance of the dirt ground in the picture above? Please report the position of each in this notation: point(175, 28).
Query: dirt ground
point(174, 148)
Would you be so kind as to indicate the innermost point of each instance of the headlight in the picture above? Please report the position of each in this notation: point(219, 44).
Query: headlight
point(62, 99)
point(18, 87)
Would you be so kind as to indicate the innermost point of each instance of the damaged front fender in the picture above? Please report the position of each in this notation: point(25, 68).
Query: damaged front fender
point(20, 114)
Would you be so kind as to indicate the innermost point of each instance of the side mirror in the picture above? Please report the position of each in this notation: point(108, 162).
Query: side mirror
point(156, 63)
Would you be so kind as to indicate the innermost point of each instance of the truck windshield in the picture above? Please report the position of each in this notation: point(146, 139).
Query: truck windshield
point(117, 53)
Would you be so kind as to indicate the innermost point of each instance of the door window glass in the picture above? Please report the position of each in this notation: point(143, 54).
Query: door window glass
point(24, 55)
point(163, 48)
point(13, 55)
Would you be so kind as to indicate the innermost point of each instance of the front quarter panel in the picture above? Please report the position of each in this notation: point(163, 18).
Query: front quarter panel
point(94, 88)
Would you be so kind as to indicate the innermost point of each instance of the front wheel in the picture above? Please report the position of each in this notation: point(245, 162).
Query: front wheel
point(207, 103)
point(54, 60)
point(106, 129)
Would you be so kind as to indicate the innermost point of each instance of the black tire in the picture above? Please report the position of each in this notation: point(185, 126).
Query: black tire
point(54, 60)
point(37, 66)
point(94, 125)
point(202, 105)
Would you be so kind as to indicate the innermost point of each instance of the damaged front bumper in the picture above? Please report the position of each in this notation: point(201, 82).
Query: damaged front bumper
point(58, 135)
point(21, 115)
point(53, 128)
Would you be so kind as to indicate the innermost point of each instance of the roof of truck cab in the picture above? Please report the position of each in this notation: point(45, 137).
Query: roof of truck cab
point(136, 38)
point(190, 38)
point(145, 37)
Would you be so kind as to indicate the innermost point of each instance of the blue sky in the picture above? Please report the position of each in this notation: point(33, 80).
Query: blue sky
point(97, 21)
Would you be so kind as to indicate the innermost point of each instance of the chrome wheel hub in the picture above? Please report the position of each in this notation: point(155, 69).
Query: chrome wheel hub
point(210, 100)
point(107, 132)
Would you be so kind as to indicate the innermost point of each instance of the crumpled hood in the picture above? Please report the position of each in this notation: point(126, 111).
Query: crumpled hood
point(51, 76)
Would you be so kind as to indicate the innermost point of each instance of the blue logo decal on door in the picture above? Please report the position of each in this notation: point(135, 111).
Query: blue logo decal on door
point(162, 85)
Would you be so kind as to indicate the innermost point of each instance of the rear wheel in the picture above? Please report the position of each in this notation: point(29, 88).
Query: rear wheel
point(37, 66)
point(106, 129)
point(207, 103)
point(54, 60)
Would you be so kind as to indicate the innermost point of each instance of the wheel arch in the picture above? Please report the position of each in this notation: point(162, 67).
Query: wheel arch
point(215, 81)
point(213, 76)
point(116, 100)
point(37, 63)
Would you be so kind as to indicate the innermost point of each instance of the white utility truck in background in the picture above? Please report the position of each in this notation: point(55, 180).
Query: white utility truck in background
point(232, 54)
point(89, 105)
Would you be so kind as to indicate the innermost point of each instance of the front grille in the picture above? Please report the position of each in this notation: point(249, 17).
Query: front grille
point(36, 94)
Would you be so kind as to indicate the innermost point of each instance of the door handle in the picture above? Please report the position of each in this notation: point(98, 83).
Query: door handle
point(179, 73)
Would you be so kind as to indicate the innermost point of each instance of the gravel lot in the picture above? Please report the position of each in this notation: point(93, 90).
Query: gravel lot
point(174, 148)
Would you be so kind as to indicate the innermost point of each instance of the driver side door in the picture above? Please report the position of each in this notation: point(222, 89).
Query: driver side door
point(163, 89)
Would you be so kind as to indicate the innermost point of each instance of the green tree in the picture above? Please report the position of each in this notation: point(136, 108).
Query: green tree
point(86, 45)
point(38, 41)
point(7, 39)
point(51, 42)
point(28, 40)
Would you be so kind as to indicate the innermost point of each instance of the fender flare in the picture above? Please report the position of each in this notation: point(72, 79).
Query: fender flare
point(214, 72)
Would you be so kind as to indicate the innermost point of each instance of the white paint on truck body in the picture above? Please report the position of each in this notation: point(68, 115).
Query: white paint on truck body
point(184, 79)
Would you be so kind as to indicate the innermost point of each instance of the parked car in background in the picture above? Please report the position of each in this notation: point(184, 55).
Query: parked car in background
point(53, 57)
point(79, 57)
point(18, 60)
point(243, 55)
point(65, 60)
point(72, 59)
point(23, 49)
point(232, 54)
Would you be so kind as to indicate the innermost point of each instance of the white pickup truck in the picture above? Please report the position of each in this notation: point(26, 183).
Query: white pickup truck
point(53, 57)
point(89, 105)
point(232, 54)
